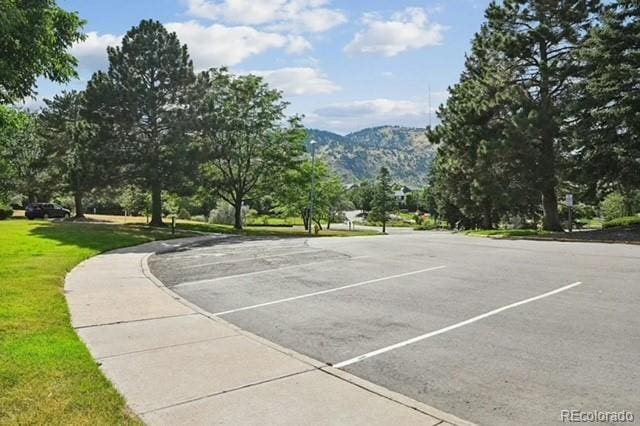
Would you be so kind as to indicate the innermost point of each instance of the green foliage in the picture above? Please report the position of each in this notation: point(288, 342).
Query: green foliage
point(294, 192)
point(606, 105)
point(46, 372)
point(5, 212)
point(134, 200)
point(429, 225)
point(503, 132)
point(141, 104)
point(224, 214)
point(78, 158)
point(506, 233)
point(617, 205)
point(361, 195)
point(245, 147)
point(34, 39)
point(383, 200)
point(622, 222)
point(24, 157)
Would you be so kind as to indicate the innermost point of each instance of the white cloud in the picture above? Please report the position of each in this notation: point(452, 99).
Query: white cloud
point(347, 117)
point(405, 30)
point(92, 52)
point(372, 107)
point(217, 45)
point(299, 81)
point(293, 15)
point(298, 44)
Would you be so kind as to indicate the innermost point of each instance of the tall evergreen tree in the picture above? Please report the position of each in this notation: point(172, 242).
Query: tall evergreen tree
point(78, 157)
point(540, 38)
point(383, 201)
point(144, 104)
point(607, 123)
point(484, 163)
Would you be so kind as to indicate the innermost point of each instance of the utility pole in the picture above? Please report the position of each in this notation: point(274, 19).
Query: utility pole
point(312, 144)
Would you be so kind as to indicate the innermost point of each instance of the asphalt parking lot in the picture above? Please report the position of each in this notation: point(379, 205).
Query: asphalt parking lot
point(495, 332)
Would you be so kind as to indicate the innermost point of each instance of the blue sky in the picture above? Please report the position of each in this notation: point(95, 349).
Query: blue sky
point(345, 65)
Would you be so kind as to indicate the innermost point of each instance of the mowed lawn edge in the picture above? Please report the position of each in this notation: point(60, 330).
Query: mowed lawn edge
point(47, 375)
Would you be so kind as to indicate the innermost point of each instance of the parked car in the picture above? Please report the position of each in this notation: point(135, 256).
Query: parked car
point(46, 211)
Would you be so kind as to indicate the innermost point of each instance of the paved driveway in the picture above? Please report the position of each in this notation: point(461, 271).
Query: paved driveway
point(496, 332)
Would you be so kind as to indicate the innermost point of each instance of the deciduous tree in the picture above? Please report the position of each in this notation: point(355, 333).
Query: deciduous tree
point(246, 147)
point(34, 40)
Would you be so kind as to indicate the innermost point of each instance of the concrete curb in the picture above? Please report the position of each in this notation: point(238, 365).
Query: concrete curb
point(321, 393)
point(371, 387)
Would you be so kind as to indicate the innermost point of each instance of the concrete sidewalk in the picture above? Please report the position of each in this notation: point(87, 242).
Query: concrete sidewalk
point(176, 365)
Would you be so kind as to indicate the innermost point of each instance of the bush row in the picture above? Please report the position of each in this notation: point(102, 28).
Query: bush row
point(622, 222)
point(5, 212)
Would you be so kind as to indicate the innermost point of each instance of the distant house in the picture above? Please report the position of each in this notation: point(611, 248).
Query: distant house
point(350, 186)
point(401, 195)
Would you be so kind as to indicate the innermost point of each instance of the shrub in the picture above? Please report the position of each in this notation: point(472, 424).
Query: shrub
point(622, 222)
point(428, 225)
point(184, 214)
point(198, 218)
point(224, 214)
point(618, 205)
point(5, 212)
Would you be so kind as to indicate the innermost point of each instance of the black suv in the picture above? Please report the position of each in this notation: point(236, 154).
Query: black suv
point(45, 211)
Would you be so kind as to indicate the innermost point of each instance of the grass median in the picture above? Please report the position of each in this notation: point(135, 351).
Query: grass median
point(47, 375)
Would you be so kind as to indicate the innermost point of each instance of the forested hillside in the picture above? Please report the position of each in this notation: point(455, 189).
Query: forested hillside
point(360, 155)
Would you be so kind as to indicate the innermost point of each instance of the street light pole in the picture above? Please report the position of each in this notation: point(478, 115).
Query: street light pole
point(312, 144)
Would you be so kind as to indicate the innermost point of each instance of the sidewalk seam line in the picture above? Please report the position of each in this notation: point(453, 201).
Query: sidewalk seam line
point(323, 369)
point(165, 347)
point(81, 327)
point(212, 395)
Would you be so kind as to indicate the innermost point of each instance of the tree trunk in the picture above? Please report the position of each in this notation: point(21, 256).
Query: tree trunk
point(551, 219)
point(384, 226)
point(305, 218)
point(156, 206)
point(77, 196)
point(547, 166)
point(238, 215)
point(487, 223)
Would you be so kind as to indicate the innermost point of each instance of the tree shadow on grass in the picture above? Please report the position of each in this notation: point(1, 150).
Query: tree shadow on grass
point(128, 239)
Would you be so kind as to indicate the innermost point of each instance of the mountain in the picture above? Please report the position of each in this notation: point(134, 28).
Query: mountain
point(405, 151)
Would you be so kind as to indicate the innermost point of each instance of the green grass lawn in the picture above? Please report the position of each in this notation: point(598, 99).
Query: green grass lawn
point(266, 220)
point(47, 375)
point(506, 233)
point(278, 231)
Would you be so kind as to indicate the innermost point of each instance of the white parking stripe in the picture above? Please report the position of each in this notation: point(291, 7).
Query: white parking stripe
point(245, 259)
point(451, 327)
point(264, 271)
point(331, 290)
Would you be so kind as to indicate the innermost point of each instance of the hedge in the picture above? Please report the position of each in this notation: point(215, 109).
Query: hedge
point(622, 222)
point(5, 212)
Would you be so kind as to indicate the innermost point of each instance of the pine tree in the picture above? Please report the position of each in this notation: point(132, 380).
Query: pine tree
point(540, 39)
point(484, 164)
point(78, 158)
point(383, 201)
point(607, 104)
point(143, 99)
